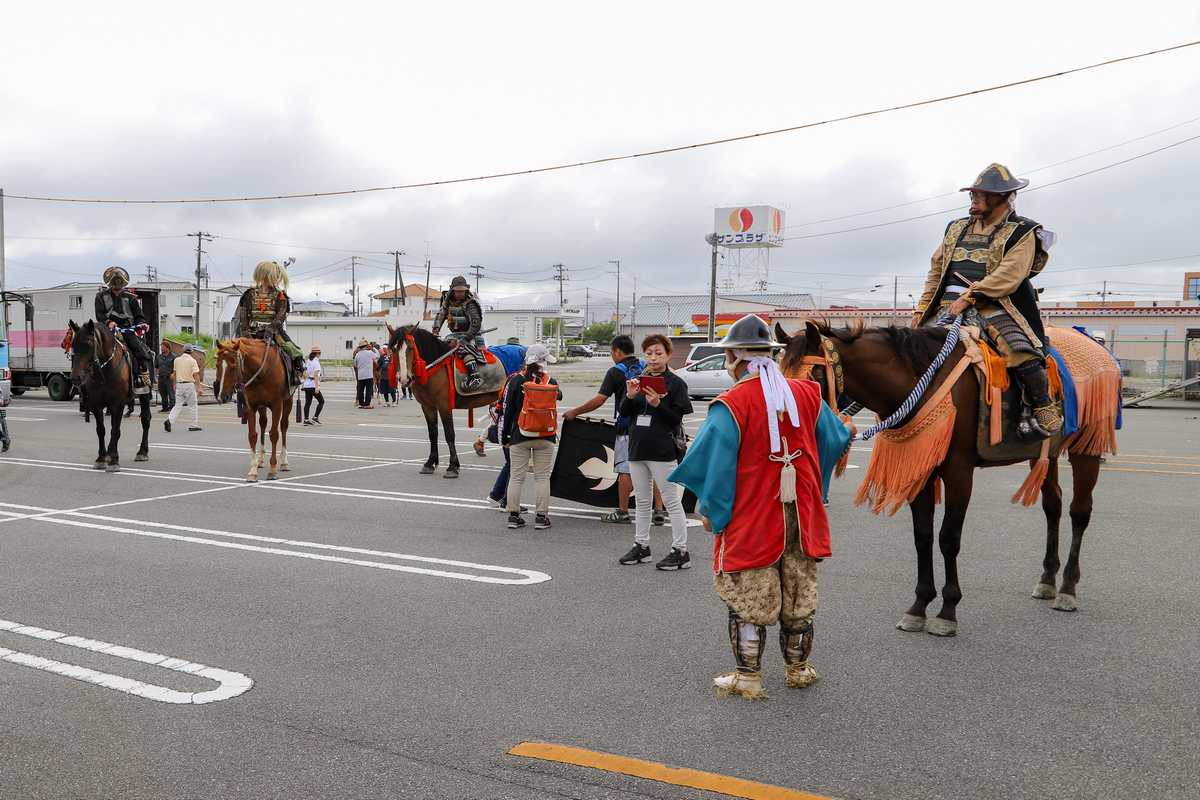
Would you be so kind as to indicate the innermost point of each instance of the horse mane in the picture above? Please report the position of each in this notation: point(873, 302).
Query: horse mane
point(917, 347)
point(428, 345)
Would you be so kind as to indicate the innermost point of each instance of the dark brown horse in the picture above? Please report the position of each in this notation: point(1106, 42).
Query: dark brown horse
point(102, 369)
point(424, 357)
point(255, 368)
point(880, 367)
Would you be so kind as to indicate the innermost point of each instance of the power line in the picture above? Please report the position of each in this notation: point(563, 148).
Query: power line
point(629, 156)
point(1027, 191)
point(1023, 172)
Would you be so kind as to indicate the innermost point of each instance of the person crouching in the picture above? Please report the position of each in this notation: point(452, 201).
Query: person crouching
point(766, 507)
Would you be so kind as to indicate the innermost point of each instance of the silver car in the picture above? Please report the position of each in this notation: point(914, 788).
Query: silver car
point(707, 378)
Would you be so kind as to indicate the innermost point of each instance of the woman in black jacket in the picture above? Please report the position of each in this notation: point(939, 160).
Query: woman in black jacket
point(525, 449)
point(655, 428)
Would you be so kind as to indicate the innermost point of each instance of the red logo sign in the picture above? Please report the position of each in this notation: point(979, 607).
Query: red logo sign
point(741, 220)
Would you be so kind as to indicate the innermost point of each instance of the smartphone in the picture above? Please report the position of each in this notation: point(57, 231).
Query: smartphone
point(657, 383)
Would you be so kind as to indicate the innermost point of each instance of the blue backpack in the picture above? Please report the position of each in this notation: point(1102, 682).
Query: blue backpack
point(630, 371)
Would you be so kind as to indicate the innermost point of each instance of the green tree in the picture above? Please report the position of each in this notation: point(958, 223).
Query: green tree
point(600, 332)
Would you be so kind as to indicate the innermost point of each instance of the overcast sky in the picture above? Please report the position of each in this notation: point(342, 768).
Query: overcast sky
point(153, 100)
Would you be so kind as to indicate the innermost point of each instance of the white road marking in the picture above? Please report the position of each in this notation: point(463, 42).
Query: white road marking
point(527, 576)
point(230, 684)
point(27, 419)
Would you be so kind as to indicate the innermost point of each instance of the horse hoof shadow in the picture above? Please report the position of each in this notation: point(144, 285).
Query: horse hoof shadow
point(911, 623)
point(1065, 602)
point(141, 457)
point(936, 626)
point(113, 468)
point(428, 469)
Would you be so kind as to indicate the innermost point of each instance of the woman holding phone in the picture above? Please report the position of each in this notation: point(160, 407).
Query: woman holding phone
point(656, 403)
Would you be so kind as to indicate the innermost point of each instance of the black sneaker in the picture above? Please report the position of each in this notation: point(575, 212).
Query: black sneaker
point(515, 520)
point(658, 518)
point(4, 448)
point(637, 554)
point(308, 422)
point(317, 421)
point(167, 425)
point(541, 522)
point(676, 559)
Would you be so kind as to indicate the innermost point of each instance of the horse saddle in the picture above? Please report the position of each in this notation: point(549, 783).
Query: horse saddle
point(492, 373)
point(1001, 408)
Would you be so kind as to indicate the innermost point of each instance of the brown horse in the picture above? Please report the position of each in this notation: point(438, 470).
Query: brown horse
point(255, 368)
point(413, 350)
point(103, 370)
point(879, 368)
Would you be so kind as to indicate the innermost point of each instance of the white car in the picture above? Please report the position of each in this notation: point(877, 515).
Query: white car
point(707, 377)
point(701, 351)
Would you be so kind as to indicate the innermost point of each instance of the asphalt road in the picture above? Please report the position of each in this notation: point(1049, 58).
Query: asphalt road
point(380, 670)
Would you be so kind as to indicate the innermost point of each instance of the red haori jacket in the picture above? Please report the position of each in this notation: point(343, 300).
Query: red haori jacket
point(755, 535)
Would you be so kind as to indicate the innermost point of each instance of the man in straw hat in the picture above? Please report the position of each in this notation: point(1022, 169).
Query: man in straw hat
point(982, 269)
point(121, 310)
point(461, 310)
point(766, 506)
point(263, 310)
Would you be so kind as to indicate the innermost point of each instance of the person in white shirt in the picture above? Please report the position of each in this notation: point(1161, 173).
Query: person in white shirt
point(365, 368)
point(312, 386)
point(186, 377)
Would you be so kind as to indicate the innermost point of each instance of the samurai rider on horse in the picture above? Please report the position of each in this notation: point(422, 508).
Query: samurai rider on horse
point(118, 308)
point(262, 312)
point(460, 308)
point(982, 270)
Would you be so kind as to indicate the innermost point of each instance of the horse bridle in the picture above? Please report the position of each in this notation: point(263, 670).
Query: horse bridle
point(830, 360)
point(241, 369)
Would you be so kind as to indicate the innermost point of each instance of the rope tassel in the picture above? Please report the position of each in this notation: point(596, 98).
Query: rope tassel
point(787, 475)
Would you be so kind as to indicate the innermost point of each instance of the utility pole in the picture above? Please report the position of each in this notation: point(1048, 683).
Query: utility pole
point(587, 304)
point(354, 304)
point(425, 306)
point(895, 295)
point(201, 238)
point(561, 277)
point(398, 282)
point(3, 304)
point(151, 274)
point(712, 289)
point(478, 271)
point(1104, 294)
point(633, 310)
point(618, 263)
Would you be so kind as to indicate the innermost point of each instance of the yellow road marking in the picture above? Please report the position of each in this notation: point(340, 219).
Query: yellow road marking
point(652, 770)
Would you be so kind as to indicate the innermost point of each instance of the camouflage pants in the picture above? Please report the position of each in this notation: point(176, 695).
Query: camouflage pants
point(784, 592)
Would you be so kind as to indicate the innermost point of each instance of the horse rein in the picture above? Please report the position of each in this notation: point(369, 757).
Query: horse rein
point(831, 361)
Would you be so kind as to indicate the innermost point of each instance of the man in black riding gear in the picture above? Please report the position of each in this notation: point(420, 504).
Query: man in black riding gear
point(119, 309)
point(461, 309)
point(982, 269)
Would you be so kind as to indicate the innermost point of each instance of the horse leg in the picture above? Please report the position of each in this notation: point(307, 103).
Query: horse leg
point(102, 453)
point(143, 453)
point(284, 466)
point(448, 427)
point(1085, 471)
point(1052, 507)
point(272, 472)
point(114, 437)
point(431, 421)
point(252, 433)
point(958, 479)
point(262, 437)
point(922, 517)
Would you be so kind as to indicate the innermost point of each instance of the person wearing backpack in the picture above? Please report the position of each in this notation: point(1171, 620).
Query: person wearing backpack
point(529, 429)
point(656, 402)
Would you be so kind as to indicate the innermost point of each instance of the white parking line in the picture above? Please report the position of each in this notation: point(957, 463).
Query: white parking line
point(86, 520)
point(230, 684)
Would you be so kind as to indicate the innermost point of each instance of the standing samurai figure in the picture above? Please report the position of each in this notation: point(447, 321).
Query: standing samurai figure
point(982, 269)
point(119, 308)
point(760, 468)
point(263, 310)
point(461, 309)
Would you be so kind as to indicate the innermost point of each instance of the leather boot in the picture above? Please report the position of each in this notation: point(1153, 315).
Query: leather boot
point(747, 641)
point(796, 644)
point(1045, 418)
point(474, 379)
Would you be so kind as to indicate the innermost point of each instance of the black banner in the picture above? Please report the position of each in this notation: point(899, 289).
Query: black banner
point(584, 467)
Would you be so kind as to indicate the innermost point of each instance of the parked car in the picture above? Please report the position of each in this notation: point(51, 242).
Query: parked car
point(584, 350)
point(700, 352)
point(706, 378)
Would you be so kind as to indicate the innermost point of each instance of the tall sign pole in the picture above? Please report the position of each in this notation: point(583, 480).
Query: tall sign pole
point(3, 284)
point(712, 290)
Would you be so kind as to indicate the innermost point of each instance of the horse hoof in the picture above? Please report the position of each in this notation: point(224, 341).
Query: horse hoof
point(450, 473)
point(271, 476)
point(113, 468)
point(936, 626)
point(141, 457)
point(1065, 602)
point(252, 477)
point(99, 464)
point(428, 469)
point(284, 468)
point(1044, 591)
point(911, 623)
